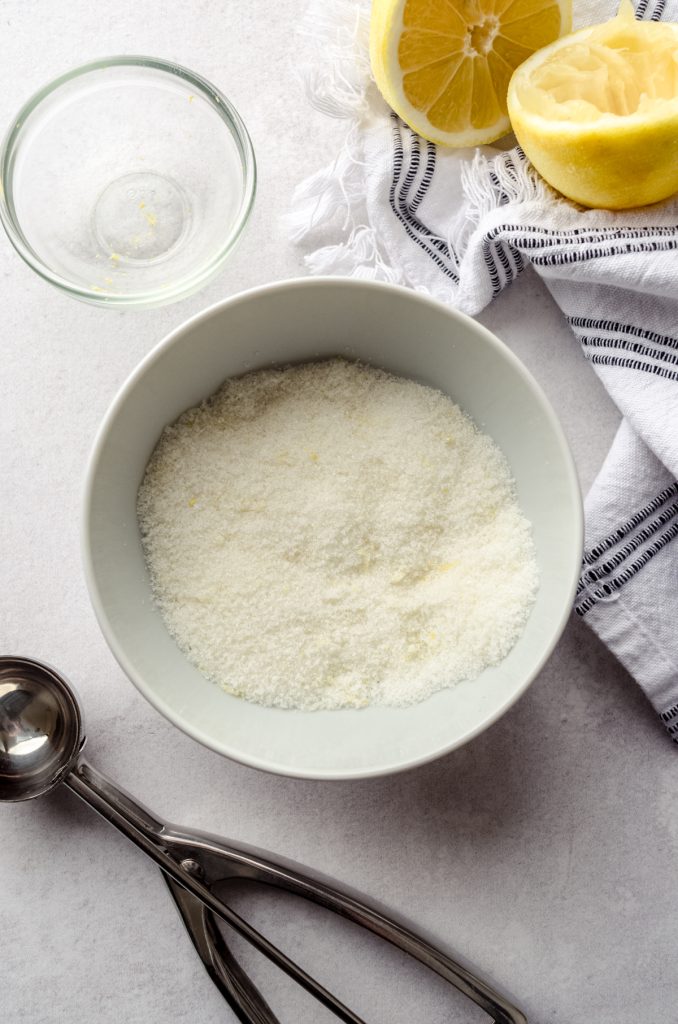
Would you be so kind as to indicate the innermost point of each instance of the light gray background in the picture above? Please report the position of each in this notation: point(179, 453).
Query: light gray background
point(546, 852)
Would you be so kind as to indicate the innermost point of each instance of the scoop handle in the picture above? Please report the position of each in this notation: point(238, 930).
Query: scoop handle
point(235, 985)
point(195, 862)
point(220, 862)
point(154, 838)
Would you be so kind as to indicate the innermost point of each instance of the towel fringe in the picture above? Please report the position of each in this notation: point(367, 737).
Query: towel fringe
point(335, 68)
point(337, 80)
point(333, 192)
point(336, 189)
point(359, 256)
point(508, 177)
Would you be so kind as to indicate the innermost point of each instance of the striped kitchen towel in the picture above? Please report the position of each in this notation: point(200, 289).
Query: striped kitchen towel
point(463, 225)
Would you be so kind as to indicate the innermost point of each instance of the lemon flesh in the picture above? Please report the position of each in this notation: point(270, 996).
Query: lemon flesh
point(444, 65)
point(597, 112)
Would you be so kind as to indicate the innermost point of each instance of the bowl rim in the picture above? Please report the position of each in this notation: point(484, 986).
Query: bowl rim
point(156, 353)
point(188, 284)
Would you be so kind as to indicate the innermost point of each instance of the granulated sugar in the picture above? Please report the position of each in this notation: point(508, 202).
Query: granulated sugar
point(329, 536)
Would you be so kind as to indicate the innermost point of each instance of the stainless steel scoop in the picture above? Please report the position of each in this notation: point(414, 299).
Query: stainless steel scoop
point(41, 742)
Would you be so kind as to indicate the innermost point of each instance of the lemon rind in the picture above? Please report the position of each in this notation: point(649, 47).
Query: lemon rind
point(607, 124)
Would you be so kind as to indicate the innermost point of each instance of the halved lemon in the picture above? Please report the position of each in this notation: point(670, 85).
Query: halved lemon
point(597, 112)
point(444, 65)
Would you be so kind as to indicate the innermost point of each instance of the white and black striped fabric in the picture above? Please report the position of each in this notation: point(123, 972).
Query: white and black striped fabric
point(462, 226)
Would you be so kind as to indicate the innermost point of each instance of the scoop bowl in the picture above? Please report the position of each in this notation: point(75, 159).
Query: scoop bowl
point(40, 729)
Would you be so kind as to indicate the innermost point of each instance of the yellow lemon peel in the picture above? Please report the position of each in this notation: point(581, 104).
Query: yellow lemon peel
point(597, 112)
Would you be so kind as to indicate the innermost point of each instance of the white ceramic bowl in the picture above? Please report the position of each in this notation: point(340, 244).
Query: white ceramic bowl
point(409, 335)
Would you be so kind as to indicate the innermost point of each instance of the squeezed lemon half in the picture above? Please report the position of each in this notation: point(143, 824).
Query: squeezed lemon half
point(597, 112)
point(444, 65)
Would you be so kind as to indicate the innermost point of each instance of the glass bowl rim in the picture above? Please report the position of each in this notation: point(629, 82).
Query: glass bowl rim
point(185, 285)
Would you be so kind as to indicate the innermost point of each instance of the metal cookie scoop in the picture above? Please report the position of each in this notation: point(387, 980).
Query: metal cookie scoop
point(41, 741)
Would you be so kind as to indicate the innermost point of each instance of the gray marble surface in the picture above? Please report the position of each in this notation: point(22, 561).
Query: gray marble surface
point(545, 852)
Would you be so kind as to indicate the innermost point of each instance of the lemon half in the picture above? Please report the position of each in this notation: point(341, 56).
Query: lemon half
point(597, 112)
point(444, 65)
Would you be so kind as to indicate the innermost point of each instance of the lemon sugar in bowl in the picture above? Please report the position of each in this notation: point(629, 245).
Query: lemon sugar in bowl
point(321, 332)
point(127, 182)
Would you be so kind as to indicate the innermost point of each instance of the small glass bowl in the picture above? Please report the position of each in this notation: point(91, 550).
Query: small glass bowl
point(126, 182)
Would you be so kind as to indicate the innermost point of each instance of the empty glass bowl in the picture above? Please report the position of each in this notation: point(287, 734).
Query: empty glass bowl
point(127, 182)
